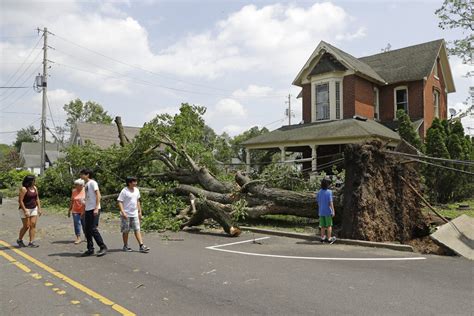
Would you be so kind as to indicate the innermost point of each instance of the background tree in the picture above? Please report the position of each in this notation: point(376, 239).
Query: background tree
point(407, 132)
point(4, 150)
point(28, 134)
point(89, 112)
point(10, 160)
point(459, 14)
point(256, 156)
point(447, 140)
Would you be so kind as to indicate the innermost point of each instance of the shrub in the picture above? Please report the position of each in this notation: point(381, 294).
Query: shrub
point(13, 178)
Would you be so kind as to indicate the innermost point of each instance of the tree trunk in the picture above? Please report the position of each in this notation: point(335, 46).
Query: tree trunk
point(378, 205)
point(123, 138)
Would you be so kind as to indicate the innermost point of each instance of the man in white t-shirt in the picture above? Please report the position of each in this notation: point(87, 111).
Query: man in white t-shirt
point(91, 215)
point(131, 213)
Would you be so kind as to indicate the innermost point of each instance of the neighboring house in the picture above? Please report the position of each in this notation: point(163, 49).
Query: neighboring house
point(102, 135)
point(30, 156)
point(349, 100)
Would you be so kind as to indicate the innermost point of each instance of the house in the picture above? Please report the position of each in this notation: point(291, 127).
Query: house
point(30, 156)
point(347, 99)
point(102, 135)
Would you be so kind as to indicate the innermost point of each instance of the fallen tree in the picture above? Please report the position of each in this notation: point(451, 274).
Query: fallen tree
point(380, 203)
point(219, 200)
point(375, 202)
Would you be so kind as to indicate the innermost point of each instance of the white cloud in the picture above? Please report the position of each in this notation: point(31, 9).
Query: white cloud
point(233, 130)
point(275, 38)
point(229, 107)
point(172, 110)
point(252, 91)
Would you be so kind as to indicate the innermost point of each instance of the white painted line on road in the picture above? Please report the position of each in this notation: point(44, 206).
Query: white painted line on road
point(219, 248)
point(236, 243)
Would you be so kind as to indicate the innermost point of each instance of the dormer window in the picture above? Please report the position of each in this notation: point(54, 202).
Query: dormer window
point(401, 99)
point(322, 102)
point(326, 95)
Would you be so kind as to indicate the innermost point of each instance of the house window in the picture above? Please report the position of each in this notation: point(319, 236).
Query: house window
point(376, 104)
point(322, 102)
point(327, 95)
point(401, 99)
point(338, 100)
point(436, 102)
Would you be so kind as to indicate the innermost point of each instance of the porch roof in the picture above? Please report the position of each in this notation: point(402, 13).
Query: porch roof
point(324, 133)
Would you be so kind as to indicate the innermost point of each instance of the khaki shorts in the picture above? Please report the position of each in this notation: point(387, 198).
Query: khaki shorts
point(131, 223)
point(31, 212)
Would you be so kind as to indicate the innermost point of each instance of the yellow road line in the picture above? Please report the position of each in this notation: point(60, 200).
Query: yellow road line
point(120, 309)
point(13, 260)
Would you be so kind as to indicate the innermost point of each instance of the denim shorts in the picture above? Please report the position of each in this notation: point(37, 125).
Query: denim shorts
point(131, 223)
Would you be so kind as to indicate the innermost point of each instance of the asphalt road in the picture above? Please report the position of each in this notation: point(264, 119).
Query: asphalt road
point(197, 274)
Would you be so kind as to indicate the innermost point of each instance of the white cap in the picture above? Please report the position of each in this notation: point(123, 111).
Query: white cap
point(79, 182)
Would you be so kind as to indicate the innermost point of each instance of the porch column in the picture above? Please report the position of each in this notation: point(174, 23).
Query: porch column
point(314, 156)
point(283, 153)
point(247, 160)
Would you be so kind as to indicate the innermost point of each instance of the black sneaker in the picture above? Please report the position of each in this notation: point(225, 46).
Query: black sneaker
point(33, 245)
point(102, 252)
point(87, 253)
point(20, 243)
point(144, 248)
point(126, 248)
point(323, 239)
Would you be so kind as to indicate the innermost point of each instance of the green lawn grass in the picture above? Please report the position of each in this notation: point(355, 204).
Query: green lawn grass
point(451, 210)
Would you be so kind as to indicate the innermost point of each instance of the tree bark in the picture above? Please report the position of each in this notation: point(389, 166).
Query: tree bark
point(219, 212)
point(123, 138)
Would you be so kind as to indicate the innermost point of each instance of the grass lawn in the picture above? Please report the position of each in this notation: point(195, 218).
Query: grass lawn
point(451, 211)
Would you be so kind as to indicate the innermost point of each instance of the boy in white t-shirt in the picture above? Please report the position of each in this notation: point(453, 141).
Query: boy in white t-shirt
point(131, 213)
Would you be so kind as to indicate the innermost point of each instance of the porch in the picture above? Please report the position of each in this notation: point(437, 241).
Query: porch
point(319, 141)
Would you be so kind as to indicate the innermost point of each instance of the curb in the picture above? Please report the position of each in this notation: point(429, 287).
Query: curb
point(353, 242)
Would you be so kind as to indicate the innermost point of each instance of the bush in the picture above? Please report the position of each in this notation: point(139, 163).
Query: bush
point(13, 178)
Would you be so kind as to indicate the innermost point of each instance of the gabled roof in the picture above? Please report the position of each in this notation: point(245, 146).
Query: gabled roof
point(409, 63)
point(102, 135)
point(344, 58)
point(330, 132)
point(405, 64)
point(30, 154)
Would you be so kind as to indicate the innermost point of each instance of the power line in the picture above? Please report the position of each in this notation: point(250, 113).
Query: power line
point(24, 61)
point(30, 124)
point(13, 36)
point(461, 162)
point(138, 81)
point(133, 66)
point(152, 72)
point(22, 95)
point(443, 167)
point(51, 114)
point(14, 82)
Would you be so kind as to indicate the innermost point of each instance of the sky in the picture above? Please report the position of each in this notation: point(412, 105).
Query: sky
point(140, 58)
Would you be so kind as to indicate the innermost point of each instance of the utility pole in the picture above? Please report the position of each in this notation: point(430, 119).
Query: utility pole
point(43, 111)
point(289, 109)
